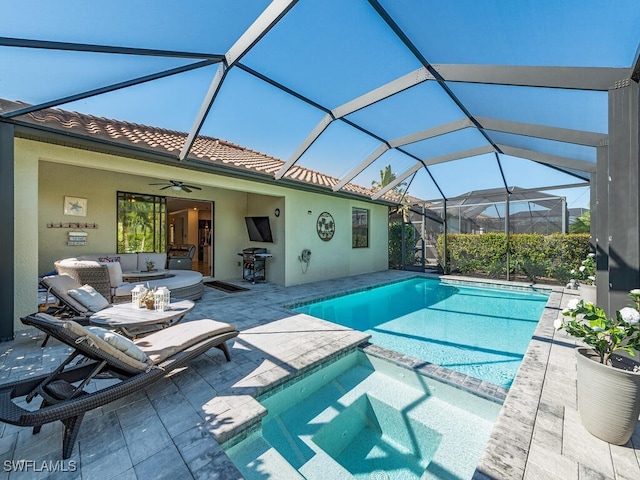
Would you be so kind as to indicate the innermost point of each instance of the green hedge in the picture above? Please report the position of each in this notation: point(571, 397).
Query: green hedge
point(534, 256)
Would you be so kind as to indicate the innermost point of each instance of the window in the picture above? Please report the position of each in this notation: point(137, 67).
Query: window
point(359, 228)
point(141, 223)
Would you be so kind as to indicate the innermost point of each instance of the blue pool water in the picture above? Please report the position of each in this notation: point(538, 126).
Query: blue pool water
point(481, 332)
point(366, 418)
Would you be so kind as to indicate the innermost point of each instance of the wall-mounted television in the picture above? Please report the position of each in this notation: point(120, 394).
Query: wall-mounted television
point(259, 229)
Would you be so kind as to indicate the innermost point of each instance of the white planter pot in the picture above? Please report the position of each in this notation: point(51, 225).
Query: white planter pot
point(608, 398)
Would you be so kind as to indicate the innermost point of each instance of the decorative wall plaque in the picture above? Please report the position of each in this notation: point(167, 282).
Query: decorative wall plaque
point(325, 226)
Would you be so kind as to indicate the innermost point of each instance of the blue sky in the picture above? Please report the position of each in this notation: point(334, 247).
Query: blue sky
point(333, 51)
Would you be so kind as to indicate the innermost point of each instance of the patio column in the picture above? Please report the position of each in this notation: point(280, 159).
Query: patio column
point(599, 191)
point(7, 268)
point(506, 231)
point(445, 224)
point(623, 196)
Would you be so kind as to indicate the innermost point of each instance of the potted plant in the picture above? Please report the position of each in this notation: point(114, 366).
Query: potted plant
point(608, 384)
point(148, 298)
point(585, 276)
point(150, 264)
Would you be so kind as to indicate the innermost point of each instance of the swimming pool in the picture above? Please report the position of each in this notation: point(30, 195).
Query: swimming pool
point(482, 332)
point(363, 417)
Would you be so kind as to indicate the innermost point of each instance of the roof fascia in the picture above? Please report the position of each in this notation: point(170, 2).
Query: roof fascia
point(71, 140)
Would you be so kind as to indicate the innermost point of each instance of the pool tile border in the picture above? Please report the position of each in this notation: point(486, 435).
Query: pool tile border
point(486, 390)
point(470, 282)
point(506, 454)
point(342, 293)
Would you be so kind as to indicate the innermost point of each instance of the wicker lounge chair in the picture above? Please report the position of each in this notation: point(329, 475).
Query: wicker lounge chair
point(60, 286)
point(63, 392)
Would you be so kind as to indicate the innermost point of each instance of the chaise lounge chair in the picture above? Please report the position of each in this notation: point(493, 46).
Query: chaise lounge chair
point(135, 363)
point(60, 287)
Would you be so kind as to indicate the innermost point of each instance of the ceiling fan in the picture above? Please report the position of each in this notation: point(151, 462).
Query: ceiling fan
point(177, 186)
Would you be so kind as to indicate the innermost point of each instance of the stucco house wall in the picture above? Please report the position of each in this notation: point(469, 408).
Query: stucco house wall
point(46, 173)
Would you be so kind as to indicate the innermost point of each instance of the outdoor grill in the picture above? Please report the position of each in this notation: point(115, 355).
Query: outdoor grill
point(254, 264)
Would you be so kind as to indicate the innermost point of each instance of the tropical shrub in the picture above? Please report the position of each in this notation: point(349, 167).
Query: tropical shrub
point(534, 256)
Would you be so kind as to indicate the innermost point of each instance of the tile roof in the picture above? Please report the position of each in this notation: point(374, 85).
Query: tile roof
point(208, 149)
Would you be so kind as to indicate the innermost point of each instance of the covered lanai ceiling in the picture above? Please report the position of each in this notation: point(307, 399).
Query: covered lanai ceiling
point(455, 96)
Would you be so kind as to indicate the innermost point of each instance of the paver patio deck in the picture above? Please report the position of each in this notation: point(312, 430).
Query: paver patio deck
point(171, 430)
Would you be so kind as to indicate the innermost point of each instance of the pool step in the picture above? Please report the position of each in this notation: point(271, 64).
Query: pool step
point(260, 460)
point(322, 466)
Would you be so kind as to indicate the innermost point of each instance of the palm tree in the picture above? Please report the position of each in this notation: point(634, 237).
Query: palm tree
point(386, 177)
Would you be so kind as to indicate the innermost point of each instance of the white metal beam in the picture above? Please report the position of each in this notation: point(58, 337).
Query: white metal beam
point(580, 78)
point(473, 152)
point(578, 137)
point(214, 88)
point(411, 138)
point(396, 86)
point(432, 132)
point(259, 28)
point(397, 181)
point(432, 161)
point(312, 137)
point(364, 164)
point(549, 159)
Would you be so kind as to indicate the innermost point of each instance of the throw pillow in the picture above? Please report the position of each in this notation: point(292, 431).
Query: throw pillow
point(48, 318)
point(89, 297)
point(115, 273)
point(96, 342)
point(121, 343)
point(109, 259)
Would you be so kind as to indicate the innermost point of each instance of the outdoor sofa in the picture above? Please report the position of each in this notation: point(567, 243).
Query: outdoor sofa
point(104, 273)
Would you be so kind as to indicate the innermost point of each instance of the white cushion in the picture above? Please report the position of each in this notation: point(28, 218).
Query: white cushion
point(128, 261)
point(121, 343)
point(60, 286)
point(167, 342)
point(89, 297)
point(159, 260)
point(96, 342)
point(180, 279)
point(115, 273)
point(74, 262)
